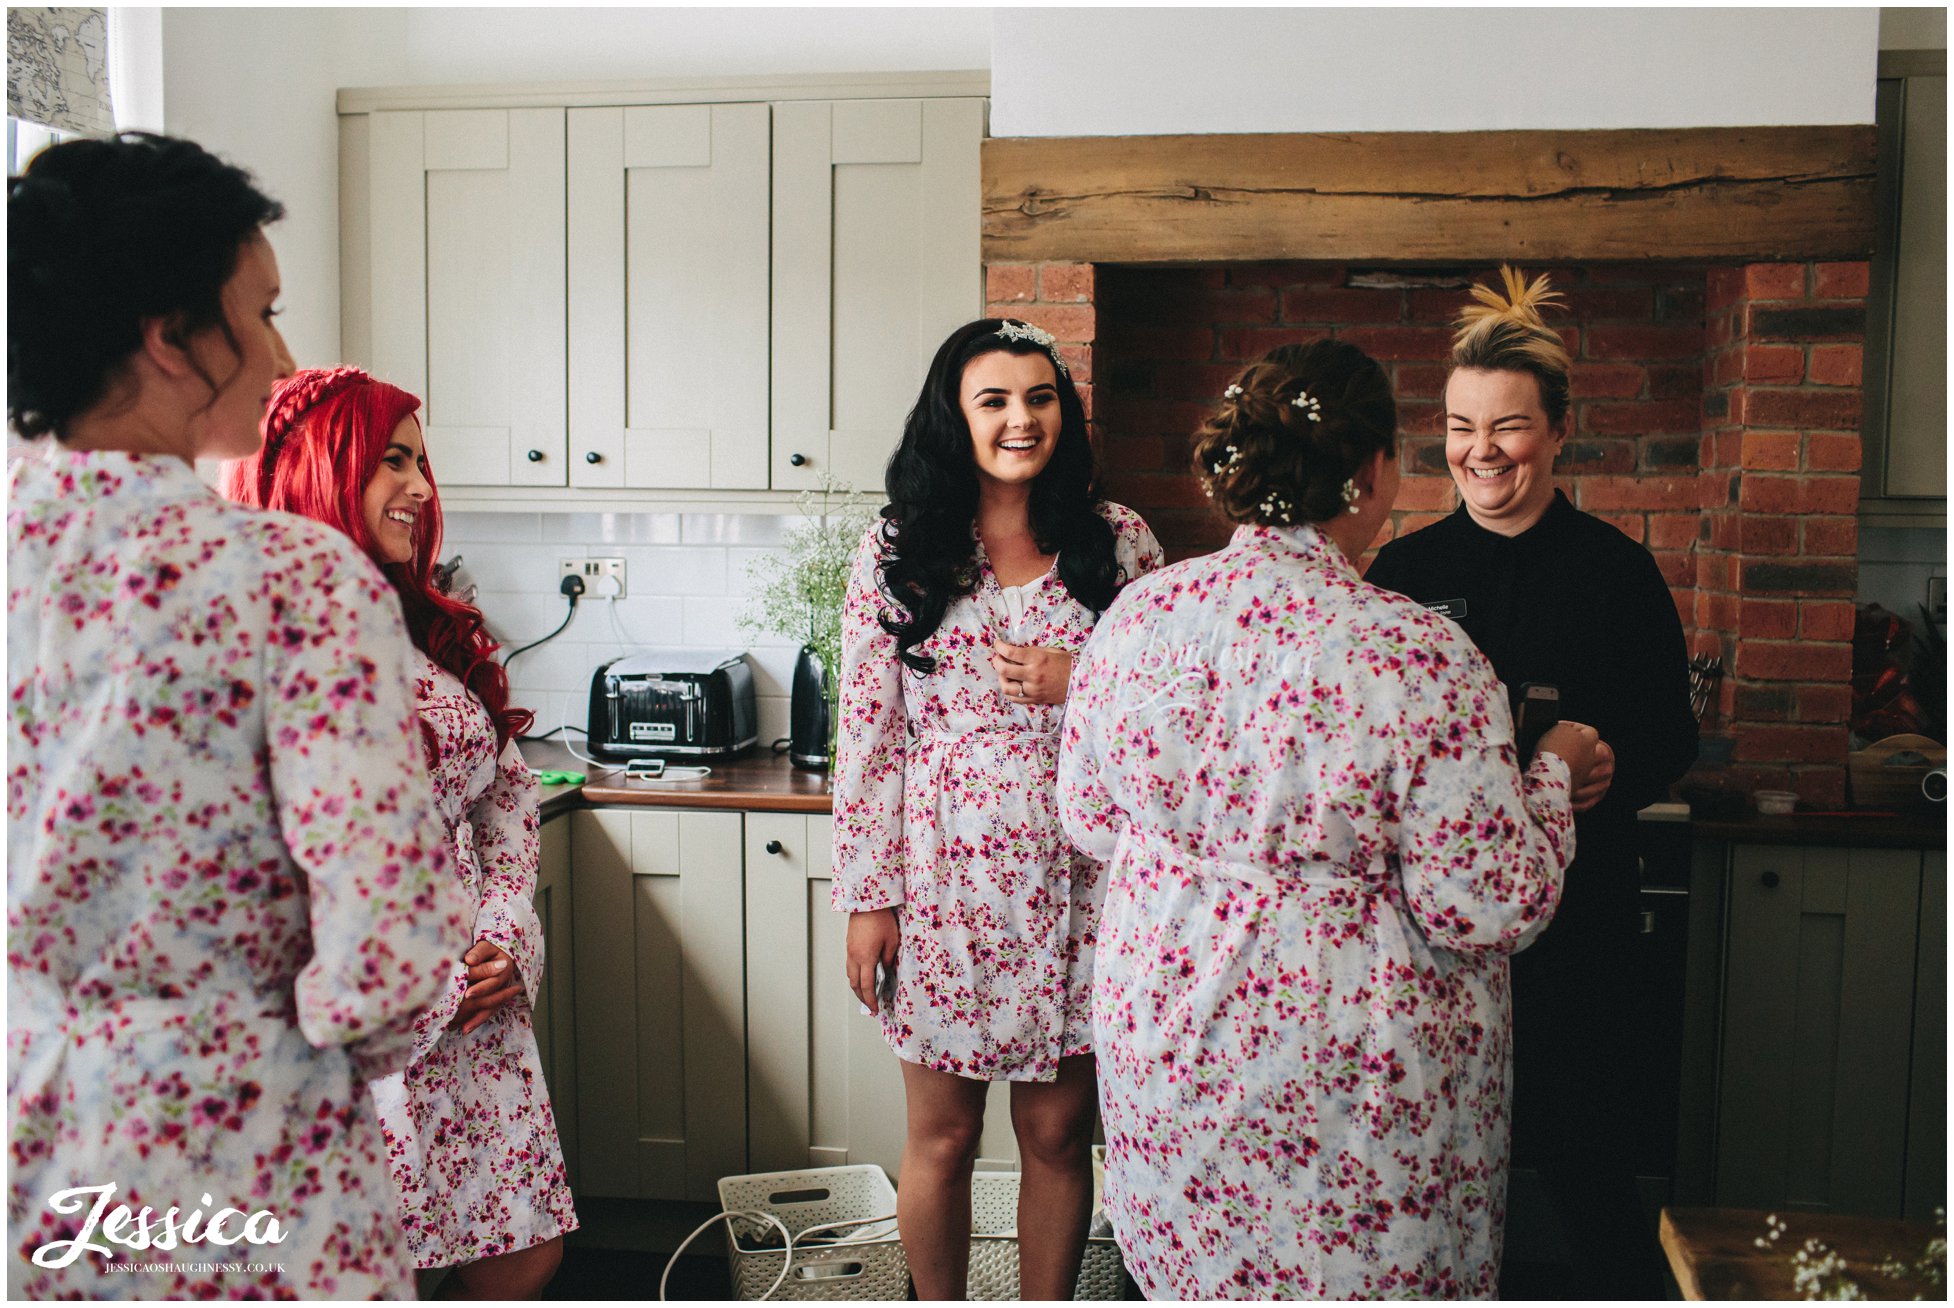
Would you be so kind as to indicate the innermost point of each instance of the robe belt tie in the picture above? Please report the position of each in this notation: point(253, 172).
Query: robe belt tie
point(77, 1010)
point(1134, 843)
point(934, 737)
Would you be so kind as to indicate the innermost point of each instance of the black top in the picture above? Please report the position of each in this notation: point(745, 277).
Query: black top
point(1574, 603)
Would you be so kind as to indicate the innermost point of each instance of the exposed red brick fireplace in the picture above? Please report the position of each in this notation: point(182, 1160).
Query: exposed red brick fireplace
point(1716, 421)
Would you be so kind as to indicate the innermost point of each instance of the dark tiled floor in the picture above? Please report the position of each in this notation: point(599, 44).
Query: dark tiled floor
point(617, 1274)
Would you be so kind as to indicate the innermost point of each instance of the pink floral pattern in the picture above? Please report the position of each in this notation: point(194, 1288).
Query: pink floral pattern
point(227, 894)
point(944, 805)
point(1321, 853)
point(470, 1132)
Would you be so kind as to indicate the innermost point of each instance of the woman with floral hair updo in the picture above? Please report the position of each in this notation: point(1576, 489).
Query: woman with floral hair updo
point(1321, 849)
point(469, 1128)
point(227, 896)
point(993, 558)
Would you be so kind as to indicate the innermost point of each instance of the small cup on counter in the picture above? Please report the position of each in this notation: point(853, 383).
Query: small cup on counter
point(1775, 803)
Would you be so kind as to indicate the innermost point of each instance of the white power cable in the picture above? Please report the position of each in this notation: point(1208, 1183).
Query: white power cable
point(787, 1260)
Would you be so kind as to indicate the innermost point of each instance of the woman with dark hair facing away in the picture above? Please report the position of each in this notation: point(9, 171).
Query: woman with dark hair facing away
point(228, 896)
point(972, 921)
point(1554, 596)
point(1321, 849)
point(470, 1133)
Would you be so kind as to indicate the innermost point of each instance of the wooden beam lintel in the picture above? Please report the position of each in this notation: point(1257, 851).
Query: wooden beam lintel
point(1700, 193)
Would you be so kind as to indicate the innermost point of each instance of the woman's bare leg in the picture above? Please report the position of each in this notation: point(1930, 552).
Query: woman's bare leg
point(521, 1274)
point(1053, 1120)
point(946, 1117)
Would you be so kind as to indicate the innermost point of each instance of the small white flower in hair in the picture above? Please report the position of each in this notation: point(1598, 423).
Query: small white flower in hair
point(1307, 403)
point(1350, 494)
point(1233, 392)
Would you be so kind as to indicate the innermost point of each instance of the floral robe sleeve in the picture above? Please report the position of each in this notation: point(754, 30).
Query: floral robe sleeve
point(508, 844)
point(329, 708)
point(868, 831)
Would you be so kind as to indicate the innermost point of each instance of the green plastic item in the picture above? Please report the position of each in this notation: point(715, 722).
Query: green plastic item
point(555, 778)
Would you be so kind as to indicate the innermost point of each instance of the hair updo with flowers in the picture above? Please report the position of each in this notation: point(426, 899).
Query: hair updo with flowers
point(1292, 431)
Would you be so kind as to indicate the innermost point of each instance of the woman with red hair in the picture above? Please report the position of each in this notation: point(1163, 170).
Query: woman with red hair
point(470, 1133)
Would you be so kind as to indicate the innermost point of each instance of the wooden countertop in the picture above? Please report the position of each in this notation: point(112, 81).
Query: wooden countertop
point(759, 782)
point(1911, 830)
point(1714, 1254)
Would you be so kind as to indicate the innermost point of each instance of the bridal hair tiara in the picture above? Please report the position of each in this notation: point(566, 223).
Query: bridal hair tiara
point(1012, 330)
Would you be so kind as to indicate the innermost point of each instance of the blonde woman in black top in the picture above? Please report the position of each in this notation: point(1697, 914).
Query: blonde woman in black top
point(1554, 595)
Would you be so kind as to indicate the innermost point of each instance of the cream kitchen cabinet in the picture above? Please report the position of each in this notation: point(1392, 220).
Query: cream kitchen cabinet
point(876, 210)
point(823, 1088)
point(555, 1015)
point(1831, 1094)
point(606, 296)
point(668, 296)
point(661, 1004)
point(465, 293)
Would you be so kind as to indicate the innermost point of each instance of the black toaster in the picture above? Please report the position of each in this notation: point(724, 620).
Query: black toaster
point(673, 703)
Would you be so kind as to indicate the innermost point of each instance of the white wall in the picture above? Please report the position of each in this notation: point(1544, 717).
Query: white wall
point(258, 87)
point(528, 45)
point(1121, 72)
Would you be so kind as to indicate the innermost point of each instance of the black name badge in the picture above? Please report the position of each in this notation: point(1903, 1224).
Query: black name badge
point(1452, 608)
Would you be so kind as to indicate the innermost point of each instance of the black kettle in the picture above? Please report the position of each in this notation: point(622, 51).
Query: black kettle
point(808, 734)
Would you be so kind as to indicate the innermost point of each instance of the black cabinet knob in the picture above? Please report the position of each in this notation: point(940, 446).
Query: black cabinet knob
point(797, 459)
point(773, 846)
point(593, 457)
point(535, 456)
point(1770, 880)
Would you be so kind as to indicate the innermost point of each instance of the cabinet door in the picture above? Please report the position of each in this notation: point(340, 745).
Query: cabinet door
point(1926, 1185)
point(668, 296)
point(468, 286)
point(824, 1088)
point(661, 1022)
point(556, 1009)
point(875, 260)
point(1817, 1024)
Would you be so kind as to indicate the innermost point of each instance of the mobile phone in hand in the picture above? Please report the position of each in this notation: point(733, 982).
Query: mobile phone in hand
point(1539, 711)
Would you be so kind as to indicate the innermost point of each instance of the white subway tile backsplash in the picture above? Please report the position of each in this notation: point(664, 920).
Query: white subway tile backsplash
point(492, 528)
point(613, 528)
point(687, 581)
point(665, 570)
point(733, 528)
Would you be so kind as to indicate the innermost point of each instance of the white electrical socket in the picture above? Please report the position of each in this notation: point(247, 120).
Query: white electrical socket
point(592, 571)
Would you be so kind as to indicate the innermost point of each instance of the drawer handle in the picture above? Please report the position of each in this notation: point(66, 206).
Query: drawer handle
point(1770, 880)
point(773, 846)
point(797, 459)
point(593, 457)
point(535, 456)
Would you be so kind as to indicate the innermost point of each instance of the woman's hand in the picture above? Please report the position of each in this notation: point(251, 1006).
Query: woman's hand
point(1601, 775)
point(1575, 743)
point(873, 937)
point(1031, 674)
point(492, 982)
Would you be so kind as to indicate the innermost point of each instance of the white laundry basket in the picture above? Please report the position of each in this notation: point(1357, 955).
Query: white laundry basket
point(994, 1246)
point(871, 1269)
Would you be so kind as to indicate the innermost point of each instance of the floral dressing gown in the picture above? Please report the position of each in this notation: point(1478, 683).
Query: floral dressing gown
point(1321, 853)
point(227, 893)
point(944, 805)
point(469, 1127)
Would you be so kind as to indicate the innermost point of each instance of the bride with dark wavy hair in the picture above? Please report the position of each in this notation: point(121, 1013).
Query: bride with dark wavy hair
point(972, 920)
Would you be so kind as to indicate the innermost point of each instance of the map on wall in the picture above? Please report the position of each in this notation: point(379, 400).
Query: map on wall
point(58, 69)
